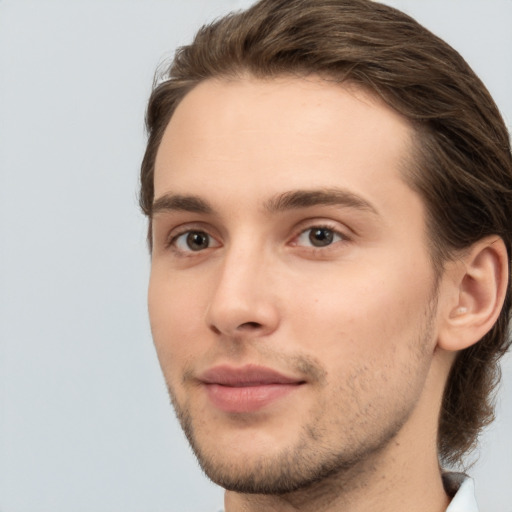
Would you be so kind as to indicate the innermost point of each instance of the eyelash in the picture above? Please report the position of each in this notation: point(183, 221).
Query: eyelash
point(336, 233)
point(302, 231)
point(173, 239)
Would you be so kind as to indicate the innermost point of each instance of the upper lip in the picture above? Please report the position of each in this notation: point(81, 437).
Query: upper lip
point(249, 375)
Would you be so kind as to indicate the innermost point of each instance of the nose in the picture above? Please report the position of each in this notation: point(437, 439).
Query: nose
point(243, 303)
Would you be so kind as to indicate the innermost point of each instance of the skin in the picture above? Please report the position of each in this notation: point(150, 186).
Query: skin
point(356, 320)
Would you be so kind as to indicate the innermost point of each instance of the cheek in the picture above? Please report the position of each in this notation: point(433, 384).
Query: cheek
point(369, 341)
point(356, 315)
point(175, 316)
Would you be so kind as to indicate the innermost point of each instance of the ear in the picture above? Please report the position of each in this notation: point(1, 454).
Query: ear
point(473, 290)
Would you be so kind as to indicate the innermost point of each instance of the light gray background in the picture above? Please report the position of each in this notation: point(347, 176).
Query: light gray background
point(85, 424)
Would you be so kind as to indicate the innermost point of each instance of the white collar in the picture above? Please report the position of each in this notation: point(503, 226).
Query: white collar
point(464, 499)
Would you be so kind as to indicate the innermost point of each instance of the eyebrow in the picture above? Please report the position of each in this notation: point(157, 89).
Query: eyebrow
point(178, 202)
point(290, 200)
point(323, 197)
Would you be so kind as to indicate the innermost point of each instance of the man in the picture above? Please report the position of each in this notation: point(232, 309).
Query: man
point(329, 188)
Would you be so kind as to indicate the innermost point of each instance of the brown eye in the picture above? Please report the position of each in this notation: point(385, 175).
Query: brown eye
point(193, 241)
point(320, 237)
point(197, 241)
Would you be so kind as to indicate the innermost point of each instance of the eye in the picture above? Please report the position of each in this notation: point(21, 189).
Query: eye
point(318, 236)
point(193, 241)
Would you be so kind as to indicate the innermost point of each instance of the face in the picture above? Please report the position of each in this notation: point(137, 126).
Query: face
point(292, 298)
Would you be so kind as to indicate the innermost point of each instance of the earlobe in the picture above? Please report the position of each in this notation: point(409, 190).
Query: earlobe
point(478, 287)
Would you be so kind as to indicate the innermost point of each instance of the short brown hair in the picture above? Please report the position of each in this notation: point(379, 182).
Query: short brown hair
point(462, 158)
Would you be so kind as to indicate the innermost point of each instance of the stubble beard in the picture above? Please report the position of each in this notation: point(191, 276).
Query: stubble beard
point(307, 464)
point(313, 460)
point(304, 465)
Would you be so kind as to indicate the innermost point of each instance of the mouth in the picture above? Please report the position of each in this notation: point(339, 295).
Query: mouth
point(246, 389)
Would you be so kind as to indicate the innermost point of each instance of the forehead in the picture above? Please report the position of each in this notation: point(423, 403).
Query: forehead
point(260, 136)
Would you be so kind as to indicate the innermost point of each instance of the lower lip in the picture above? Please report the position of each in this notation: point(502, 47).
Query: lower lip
point(249, 398)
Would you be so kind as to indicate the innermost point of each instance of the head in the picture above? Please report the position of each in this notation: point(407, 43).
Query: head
point(455, 158)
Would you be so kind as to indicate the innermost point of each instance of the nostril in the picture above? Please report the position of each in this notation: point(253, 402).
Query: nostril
point(249, 326)
point(246, 326)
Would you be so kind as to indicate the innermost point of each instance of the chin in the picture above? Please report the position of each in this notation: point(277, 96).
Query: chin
point(269, 475)
point(279, 471)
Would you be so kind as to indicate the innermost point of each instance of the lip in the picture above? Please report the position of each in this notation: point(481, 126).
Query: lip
point(246, 389)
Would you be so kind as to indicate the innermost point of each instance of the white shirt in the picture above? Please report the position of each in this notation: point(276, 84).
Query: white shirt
point(464, 499)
